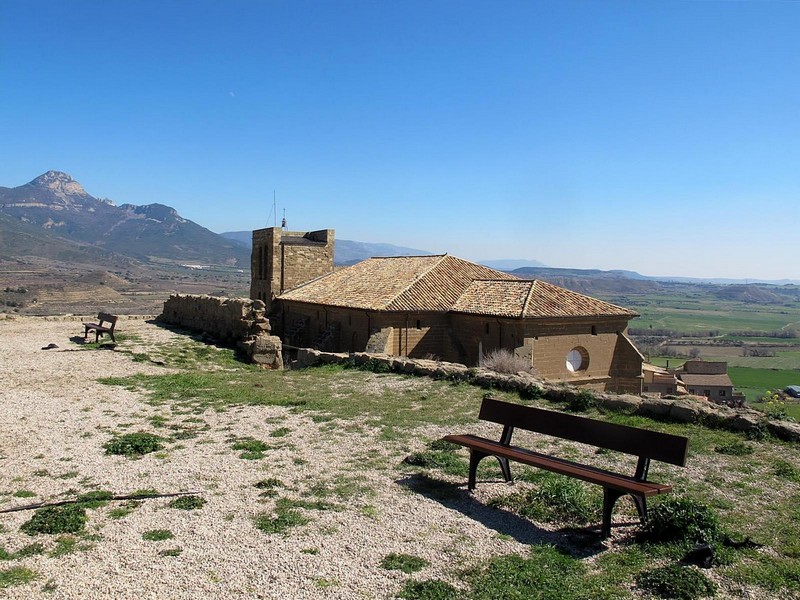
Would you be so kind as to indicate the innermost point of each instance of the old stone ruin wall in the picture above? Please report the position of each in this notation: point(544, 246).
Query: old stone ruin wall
point(236, 321)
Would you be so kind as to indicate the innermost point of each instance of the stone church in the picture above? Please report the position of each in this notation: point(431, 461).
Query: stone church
point(439, 306)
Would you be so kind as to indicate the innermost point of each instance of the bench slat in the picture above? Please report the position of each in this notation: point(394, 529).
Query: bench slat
point(602, 477)
point(659, 446)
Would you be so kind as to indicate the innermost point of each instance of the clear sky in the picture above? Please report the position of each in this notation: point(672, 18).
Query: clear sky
point(657, 136)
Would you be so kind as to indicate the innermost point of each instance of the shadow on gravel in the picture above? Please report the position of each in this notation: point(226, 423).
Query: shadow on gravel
point(579, 543)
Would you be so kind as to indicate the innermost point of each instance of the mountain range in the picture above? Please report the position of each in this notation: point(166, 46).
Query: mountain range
point(53, 217)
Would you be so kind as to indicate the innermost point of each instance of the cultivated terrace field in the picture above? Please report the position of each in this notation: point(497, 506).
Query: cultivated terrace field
point(332, 483)
point(755, 329)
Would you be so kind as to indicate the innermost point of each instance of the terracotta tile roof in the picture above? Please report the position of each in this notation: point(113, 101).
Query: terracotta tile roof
point(398, 283)
point(700, 380)
point(531, 300)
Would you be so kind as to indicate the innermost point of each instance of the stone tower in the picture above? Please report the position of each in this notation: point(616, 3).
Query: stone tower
point(282, 260)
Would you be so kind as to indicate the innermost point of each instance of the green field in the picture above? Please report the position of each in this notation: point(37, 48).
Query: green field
point(703, 312)
point(754, 382)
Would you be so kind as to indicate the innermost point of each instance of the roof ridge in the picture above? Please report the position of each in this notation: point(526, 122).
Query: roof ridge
point(528, 298)
point(418, 277)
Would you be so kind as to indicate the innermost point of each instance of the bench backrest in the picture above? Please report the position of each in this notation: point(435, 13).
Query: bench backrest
point(630, 440)
point(107, 318)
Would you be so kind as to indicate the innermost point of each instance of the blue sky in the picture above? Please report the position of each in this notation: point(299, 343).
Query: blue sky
point(662, 137)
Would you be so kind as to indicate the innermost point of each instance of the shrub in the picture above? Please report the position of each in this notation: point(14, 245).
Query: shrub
point(676, 582)
point(253, 449)
point(505, 361)
point(581, 402)
point(56, 519)
point(406, 563)
point(134, 444)
point(681, 520)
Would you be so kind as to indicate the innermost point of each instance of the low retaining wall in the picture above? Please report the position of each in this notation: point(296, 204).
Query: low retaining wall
point(238, 321)
point(684, 409)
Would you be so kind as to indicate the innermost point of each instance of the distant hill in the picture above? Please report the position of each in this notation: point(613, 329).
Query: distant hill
point(345, 252)
point(510, 264)
point(54, 217)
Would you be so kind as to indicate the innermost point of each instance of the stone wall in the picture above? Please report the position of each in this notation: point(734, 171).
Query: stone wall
point(236, 321)
point(684, 409)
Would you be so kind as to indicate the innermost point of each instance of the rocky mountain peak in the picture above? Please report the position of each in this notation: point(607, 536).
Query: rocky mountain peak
point(61, 184)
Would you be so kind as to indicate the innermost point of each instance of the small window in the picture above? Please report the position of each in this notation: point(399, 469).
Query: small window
point(349, 319)
point(721, 393)
point(646, 389)
point(419, 324)
point(594, 330)
point(706, 393)
point(487, 329)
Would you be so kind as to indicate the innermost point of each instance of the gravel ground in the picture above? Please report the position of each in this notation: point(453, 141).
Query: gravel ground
point(55, 419)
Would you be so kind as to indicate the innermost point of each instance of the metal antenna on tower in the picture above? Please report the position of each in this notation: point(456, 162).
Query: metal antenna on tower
point(274, 208)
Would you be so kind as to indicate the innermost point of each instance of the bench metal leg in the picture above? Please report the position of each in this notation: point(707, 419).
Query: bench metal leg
point(474, 458)
point(610, 498)
point(504, 467)
point(641, 507)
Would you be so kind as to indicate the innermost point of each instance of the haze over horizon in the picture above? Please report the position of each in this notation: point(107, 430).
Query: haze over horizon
point(658, 137)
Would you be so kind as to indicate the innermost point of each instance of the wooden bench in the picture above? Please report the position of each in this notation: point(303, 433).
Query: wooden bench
point(644, 444)
point(99, 328)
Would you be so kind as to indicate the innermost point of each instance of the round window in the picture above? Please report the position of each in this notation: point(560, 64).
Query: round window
point(577, 359)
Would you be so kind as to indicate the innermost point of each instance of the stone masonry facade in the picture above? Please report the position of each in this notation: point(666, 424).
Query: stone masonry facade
point(236, 321)
point(282, 260)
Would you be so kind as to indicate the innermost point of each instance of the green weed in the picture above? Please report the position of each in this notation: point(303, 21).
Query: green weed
point(134, 444)
point(69, 518)
point(157, 535)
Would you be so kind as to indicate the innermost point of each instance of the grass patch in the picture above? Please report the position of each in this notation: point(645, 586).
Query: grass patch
point(69, 518)
point(280, 432)
point(407, 563)
point(187, 503)
point(122, 511)
point(545, 573)
point(16, 576)
point(676, 582)
point(556, 498)
point(134, 444)
point(252, 449)
point(682, 520)
point(24, 494)
point(735, 448)
point(429, 589)
point(440, 455)
point(170, 552)
point(786, 470)
point(284, 519)
point(157, 535)
point(95, 499)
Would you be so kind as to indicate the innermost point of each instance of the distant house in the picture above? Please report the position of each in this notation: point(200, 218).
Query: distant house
point(447, 307)
point(709, 379)
point(659, 381)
